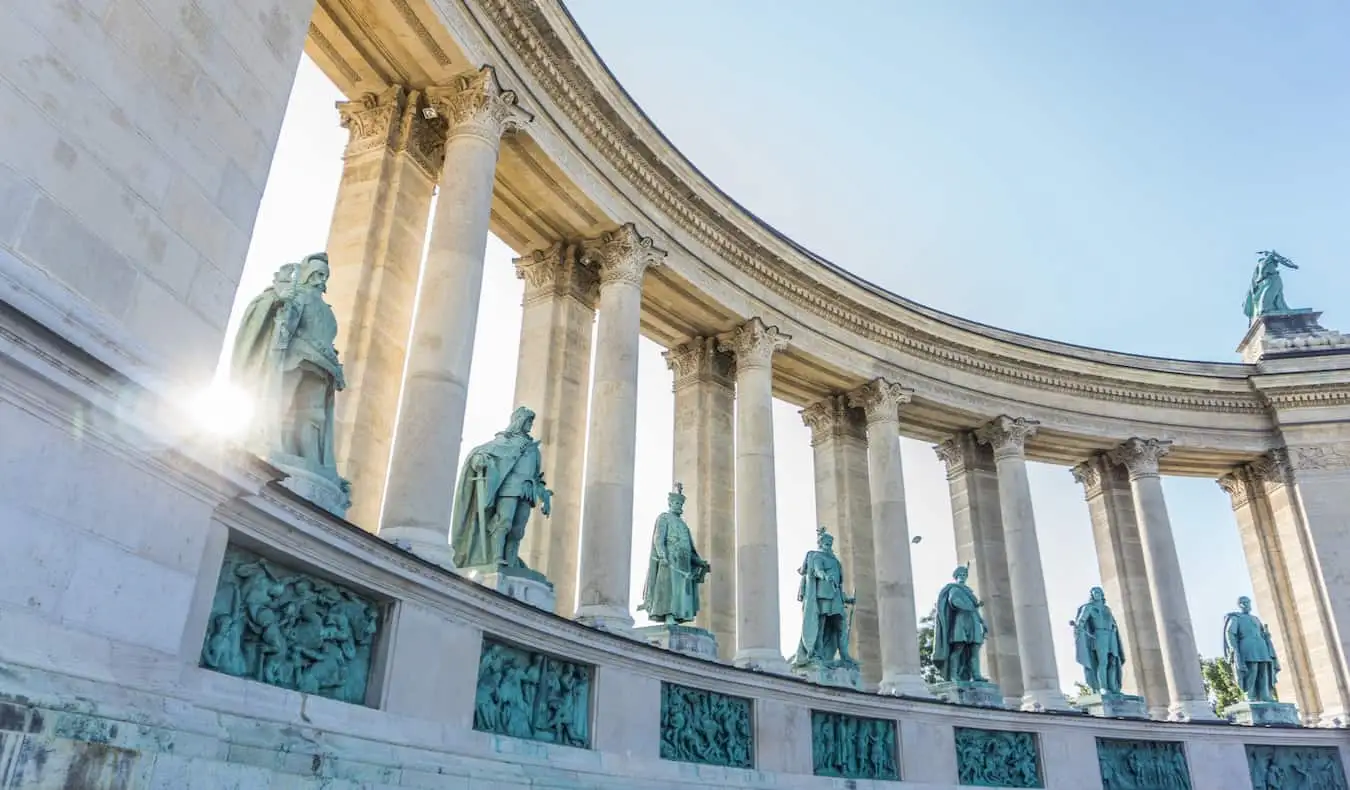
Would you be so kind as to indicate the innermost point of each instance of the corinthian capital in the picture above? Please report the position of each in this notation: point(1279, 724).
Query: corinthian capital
point(474, 104)
point(1140, 456)
point(1007, 435)
point(557, 271)
point(753, 343)
point(880, 400)
point(831, 417)
point(1238, 487)
point(1098, 474)
point(392, 120)
point(699, 359)
point(622, 256)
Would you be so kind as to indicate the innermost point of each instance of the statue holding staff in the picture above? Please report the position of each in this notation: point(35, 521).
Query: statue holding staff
point(825, 623)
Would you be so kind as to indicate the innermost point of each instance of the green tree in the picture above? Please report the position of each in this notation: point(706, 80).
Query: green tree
point(926, 635)
point(1081, 689)
point(1220, 684)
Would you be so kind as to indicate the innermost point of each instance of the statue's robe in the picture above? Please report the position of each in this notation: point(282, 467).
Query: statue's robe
point(1248, 649)
point(671, 588)
point(312, 326)
point(1093, 643)
point(1266, 294)
point(512, 471)
point(253, 365)
point(957, 622)
point(821, 599)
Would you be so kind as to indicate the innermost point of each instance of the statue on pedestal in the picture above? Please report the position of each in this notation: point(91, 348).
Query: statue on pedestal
point(826, 621)
point(1250, 651)
point(1097, 644)
point(500, 485)
point(284, 357)
point(1266, 294)
point(958, 631)
point(674, 570)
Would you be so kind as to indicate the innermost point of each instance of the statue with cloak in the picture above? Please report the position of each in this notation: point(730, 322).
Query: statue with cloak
point(826, 616)
point(500, 485)
point(674, 570)
point(1249, 650)
point(1266, 294)
point(1097, 644)
point(958, 631)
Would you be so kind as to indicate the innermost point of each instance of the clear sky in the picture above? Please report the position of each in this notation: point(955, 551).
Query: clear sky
point(1095, 173)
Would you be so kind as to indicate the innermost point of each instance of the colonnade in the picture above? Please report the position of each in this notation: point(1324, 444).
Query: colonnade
point(576, 289)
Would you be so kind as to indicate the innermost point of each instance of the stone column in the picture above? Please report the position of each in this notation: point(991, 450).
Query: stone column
point(375, 243)
point(977, 519)
point(1181, 659)
point(844, 504)
point(705, 461)
point(758, 644)
point(897, 624)
point(1120, 558)
point(1035, 638)
point(425, 458)
point(622, 258)
point(553, 377)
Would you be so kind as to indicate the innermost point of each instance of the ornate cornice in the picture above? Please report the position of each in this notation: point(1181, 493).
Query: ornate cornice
point(526, 29)
point(880, 400)
point(753, 343)
point(1007, 436)
point(1307, 397)
point(558, 272)
point(1140, 456)
point(475, 105)
point(393, 120)
point(699, 360)
point(622, 255)
point(832, 418)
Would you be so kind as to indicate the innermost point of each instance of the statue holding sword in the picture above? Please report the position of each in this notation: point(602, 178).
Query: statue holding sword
point(825, 621)
point(675, 569)
point(500, 485)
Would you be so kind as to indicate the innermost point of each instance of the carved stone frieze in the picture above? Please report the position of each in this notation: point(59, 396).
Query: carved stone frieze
point(880, 400)
point(532, 695)
point(832, 417)
point(699, 360)
point(1140, 456)
point(392, 119)
point(475, 104)
point(753, 343)
point(1007, 435)
point(1318, 458)
point(997, 758)
point(622, 255)
point(1130, 765)
point(558, 271)
point(705, 727)
point(853, 747)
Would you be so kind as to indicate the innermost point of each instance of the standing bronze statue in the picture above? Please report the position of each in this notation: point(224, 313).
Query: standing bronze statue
point(1097, 644)
point(500, 485)
point(826, 612)
point(674, 569)
point(1266, 294)
point(958, 631)
point(1248, 648)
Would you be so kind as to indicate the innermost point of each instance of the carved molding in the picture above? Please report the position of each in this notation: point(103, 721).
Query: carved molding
point(699, 360)
point(476, 105)
point(1322, 457)
point(622, 256)
point(833, 417)
point(753, 343)
point(1007, 436)
point(880, 400)
point(393, 120)
point(1140, 456)
point(558, 271)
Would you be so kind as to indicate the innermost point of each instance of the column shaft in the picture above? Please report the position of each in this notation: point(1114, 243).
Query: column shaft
point(1035, 638)
point(374, 248)
point(1120, 558)
point(705, 461)
point(897, 623)
point(977, 519)
point(1181, 659)
point(758, 641)
point(431, 417)
point(553, 378)
point(607, 519)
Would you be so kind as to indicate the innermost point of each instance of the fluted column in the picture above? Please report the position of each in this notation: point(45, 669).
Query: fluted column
point(553, 378)
point(379, 227)
point(897, 624)
point(1181, 659)
point(622, 258)
point(1120, 558)
point(705, 461)
point(977, 520)
point(1035, 638)
point(844, 503)
point(758, 643)
point(425, 458)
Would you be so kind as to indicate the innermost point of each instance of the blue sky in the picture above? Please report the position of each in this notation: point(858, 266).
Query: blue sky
point(1095, 173)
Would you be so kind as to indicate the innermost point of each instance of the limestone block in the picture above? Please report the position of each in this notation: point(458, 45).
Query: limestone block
point(782, 737)
point(927, 752)
point(524, 585)
point(691, 641)
point(1218, 765)
point(967, 692)
point(426, 675)
point(1114, 706)
point(1265, 714)
point(1069, 759)
point(836, 674)
point(624, 713)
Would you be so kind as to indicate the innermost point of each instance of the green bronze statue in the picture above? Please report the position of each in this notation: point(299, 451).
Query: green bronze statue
point(1266, 294)
point(674, 570)
point(1251, 653)
point(958, 631)
point(1097, 644)
point(826, 616)
point(500, 485)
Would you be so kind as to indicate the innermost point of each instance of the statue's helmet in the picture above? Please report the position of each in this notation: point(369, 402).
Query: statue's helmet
point(521, 418)
point(676, 496)
point(823, 538)
point(313, 264)
point(1097, 594)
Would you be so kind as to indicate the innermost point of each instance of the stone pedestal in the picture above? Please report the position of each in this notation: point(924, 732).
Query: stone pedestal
point(324, 491)
point(1113, 706)
point(842, 674)
point(686, 639)
point(1265, 714)
point(1290, 334)
point(523, 584)
point(976, 693)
